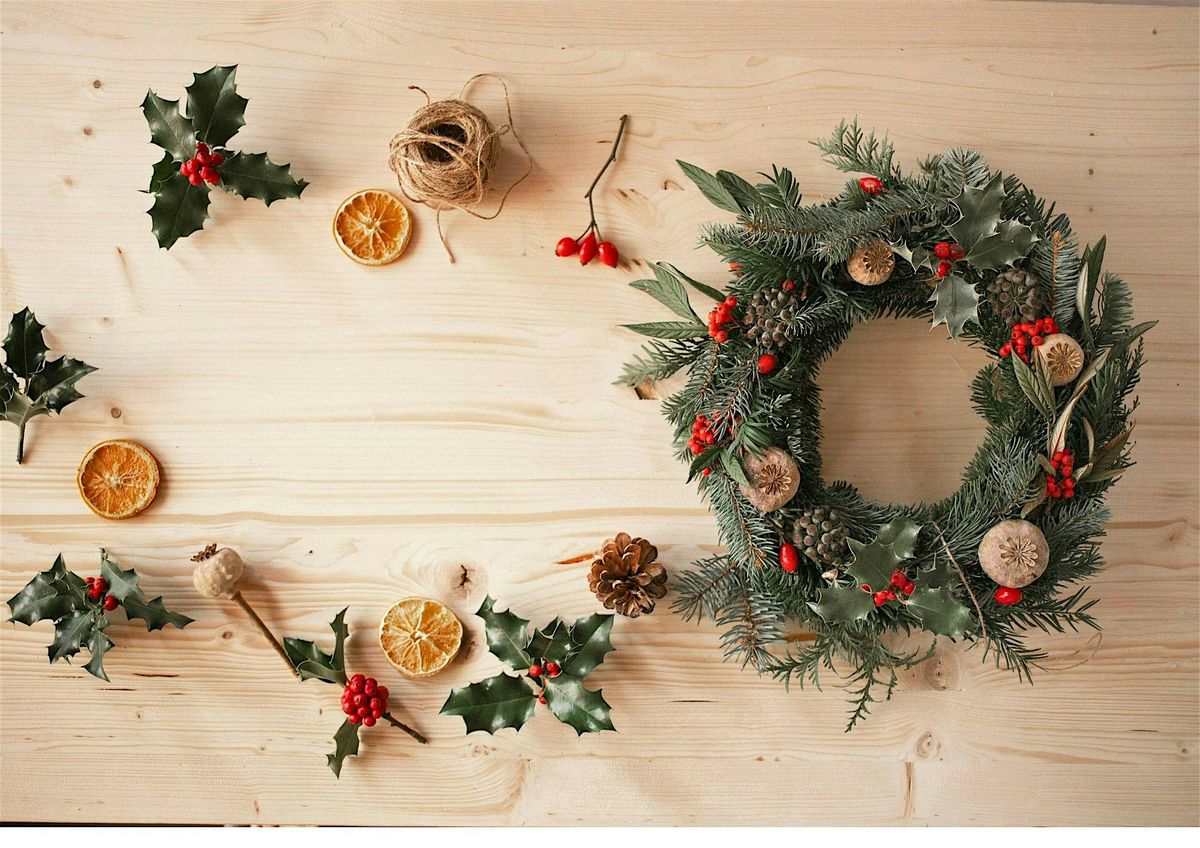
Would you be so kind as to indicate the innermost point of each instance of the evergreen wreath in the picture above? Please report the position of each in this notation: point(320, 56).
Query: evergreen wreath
point(1008, 551)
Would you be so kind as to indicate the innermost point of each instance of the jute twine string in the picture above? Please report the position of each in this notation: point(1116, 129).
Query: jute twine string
point(447, 155)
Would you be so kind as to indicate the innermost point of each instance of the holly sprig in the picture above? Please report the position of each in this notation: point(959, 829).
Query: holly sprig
point(30, 383)
point(80, 614)
point(554, 660)
point(215, 113)
point(312, 663)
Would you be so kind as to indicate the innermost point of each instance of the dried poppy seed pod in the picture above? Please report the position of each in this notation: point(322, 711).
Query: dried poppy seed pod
point(218, 572)
point(775, 479)
point(1014, 553)
point(1063, 356)
point(872, 263)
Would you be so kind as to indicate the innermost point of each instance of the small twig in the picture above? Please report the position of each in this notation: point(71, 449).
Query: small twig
point(237, 598)
point(962, 574)
point(612, 157)
point(413, 733)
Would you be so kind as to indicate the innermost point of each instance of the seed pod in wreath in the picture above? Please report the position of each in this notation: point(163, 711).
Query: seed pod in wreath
point(1063, 356)
point(625, 576)
point(1014, 553)
point(872, 263)
point(821, 535)
point(1016, 296)
point(768, 316)
point(775, 479)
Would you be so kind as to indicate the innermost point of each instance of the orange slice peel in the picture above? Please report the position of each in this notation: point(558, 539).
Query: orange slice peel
point(118, 479)
point(420, 636)
point(372, 227)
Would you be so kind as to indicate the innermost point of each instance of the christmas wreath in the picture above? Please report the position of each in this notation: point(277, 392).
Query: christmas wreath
point(979, 252)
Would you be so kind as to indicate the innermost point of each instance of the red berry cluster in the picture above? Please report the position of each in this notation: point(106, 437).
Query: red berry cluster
point(537, 671)
point(899, 583)
point(202, 168)
point(1061, 484)
point(588, 249)
point(364, 700)
point(1031, 333)
point(702, 435)
point(871, 185)
point(97, 588)
point(721, 315)
point(1006, 596)
point(949, 252)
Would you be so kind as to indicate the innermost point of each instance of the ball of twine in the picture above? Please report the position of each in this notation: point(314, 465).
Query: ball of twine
point(448, 154)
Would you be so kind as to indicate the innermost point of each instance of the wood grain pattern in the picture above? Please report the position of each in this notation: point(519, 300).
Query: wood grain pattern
point(363, 434)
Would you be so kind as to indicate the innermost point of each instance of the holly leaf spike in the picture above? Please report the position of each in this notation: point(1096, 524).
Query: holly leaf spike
point(581, 708)
point(314, 664)
point(590, 638)
point(98, 645)
point(163, 168)
point(553, 643)
point(939, 612)
point(122, 585)
point(43, 598)
point(70, 633)
point(493, 704)
point(506, 634)
point(254, 175)
point(24, 348)
point(987, 241)
point(179, 210)
point(217, 111)
point(901, 533)
point(345, 744)
point(169, 129)
point(842, 603)
point(955, 302)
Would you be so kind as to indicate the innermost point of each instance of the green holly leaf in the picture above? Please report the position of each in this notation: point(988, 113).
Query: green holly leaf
point(49, 385)
point(873, 564)
point(552, 644)
point(24, 348)
point(492, 704)
point(98, 645)
point(254, 175)
point(169, 129)
point(918, 257)
point(45, 597)
point(506, 634)
point(154, 613)
point(217, 111)
point(591, 642)
point(314, 664)
point(901, 533)
point(572, 704)
point(345, 744)
point(122, 585)
point(179, 209)
point(163, 169)
point(71, 632)
point(669, 292)
point(842, 603)
point(941, 573)
point(939, 612)
point(955, 302)
point(987, 241)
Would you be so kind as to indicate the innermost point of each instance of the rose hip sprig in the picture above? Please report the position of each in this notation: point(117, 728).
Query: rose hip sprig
point(590, 243)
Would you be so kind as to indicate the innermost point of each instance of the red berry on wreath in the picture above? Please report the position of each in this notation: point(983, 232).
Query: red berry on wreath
point(942, 250)
point(608, 254)
point(871, 185)
point(735, 266)
point(899, 578)
point(943, 269)
point(908, 587)
point(721, 336)
point(566, 246)
point(789, 558)
point(587, 250)
point(535, 670)
point(552, 669)
point(789, 285)
point(956, 252)
point(110, 603)
point(1006, 596)
point(767, 363)
point(881, 598)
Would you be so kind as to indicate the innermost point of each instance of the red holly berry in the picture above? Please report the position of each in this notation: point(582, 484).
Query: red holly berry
point(203, 158)
point(368, 721)
point(956, 252)
point(357, 682)
point(195, 179)
point(566, 246)
point(881, 598)
point(865, 587)
point(587, 250)
point(110, 603)
point(535, 670)
point(187, 167)
point(871, 185)
point(1006, 596)
point(552, 669)
point(369, 686)
point(1005, 349)
point(908, 587)
point(899, 578)
point(608, 253)
point(721, 336)
point(943, 269)
point(353, 719)
point(767, 363)
point(942, 250)
point(542, 697)
point(789, 558)
point(216, 160)
point(209, 175)
point(706, 472)
point(789, 285)
point(1036, 341)
point(382, 693)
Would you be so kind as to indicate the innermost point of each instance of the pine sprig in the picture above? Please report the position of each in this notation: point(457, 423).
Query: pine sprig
point(954, 196)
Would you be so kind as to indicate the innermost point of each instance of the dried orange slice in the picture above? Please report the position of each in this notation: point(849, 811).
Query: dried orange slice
point(118, 478)
point(372, 227)
point(419, 636)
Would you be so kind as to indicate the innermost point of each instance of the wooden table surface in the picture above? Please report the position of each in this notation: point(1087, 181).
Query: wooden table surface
point(363, 435)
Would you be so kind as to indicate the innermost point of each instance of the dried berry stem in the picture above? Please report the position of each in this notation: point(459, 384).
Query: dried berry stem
point(414, 734)
point(612, 157)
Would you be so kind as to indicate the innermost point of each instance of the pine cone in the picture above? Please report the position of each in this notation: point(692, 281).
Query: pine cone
point(626, 577)
point(1016, 296)
point(769, 315)
point(821, 536)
